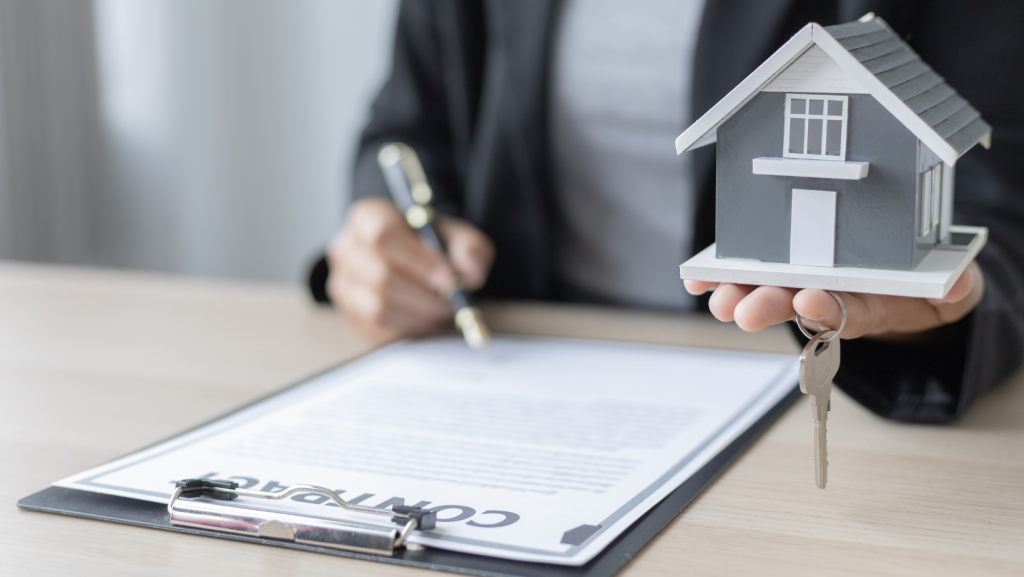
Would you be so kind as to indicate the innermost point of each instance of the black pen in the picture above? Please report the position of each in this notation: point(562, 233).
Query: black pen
point(412, 194)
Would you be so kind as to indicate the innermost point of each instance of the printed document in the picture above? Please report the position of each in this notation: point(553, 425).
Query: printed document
point(537, 449)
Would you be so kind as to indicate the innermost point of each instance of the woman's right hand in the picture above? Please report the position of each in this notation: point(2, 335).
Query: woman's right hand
point(386, 281)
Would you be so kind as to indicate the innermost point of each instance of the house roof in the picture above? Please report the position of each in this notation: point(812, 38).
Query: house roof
point(888, 69)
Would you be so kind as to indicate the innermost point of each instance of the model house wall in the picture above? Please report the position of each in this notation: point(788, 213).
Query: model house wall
point(815, 71)
point(875, 216)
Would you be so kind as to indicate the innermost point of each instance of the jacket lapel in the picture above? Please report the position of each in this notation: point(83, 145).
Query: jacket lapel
point(730, 46)
point(511, 145)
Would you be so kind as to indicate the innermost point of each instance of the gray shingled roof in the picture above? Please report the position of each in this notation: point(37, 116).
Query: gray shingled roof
point(902, 71)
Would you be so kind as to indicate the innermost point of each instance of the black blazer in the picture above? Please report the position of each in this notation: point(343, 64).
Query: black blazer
point(469, 90)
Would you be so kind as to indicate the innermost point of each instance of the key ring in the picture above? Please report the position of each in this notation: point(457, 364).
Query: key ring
point(842, 323)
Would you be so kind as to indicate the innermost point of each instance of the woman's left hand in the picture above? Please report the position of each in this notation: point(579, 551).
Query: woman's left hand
point(755, 308)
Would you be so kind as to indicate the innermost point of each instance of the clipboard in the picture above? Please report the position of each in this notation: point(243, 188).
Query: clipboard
point(616, 555)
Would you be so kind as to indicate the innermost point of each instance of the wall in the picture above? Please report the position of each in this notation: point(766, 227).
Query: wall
point(49, 126)
point(875, 216)
point(208, 137)
point(230, 128)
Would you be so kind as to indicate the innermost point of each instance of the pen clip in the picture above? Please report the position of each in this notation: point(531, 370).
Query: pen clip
point(401, 155)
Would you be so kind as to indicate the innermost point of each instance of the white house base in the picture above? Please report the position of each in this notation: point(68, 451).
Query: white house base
point(932, 278)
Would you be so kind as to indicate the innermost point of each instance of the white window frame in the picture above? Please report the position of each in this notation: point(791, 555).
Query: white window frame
point(929, 210)
point(824, 117)
point(924, 203)
point(929, 200)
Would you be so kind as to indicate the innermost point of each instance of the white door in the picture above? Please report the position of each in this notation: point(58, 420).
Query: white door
point(812, 233)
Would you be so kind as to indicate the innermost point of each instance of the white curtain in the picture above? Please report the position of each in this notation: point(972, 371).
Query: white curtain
point(49, 127)
point(223, 130)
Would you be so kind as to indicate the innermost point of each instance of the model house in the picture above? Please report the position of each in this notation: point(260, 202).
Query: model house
point(838, 151)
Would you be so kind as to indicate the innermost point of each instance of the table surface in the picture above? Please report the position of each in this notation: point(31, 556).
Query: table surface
point(95, 364)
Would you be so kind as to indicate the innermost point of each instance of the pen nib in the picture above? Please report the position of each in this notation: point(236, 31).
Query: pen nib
point(471, 323)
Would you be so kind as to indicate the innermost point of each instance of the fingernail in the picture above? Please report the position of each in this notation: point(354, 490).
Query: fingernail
point(439, 277)
point(470, 262)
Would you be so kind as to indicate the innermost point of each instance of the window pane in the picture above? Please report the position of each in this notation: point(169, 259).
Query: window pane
point(835, 107)
point(796, 135)
point(796, 106)
point(923, 204)
point(817, 107)
point(814, 135)
point(833, 137)
point(936, 194)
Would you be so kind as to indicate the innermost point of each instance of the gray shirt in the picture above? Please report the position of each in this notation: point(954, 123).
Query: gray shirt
point(619, 98)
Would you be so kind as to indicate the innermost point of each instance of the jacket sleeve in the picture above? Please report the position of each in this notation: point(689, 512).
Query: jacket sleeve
point(412, 107)
point(976, 47)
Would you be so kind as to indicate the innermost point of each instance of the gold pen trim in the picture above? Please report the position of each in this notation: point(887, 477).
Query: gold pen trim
point(470, 322)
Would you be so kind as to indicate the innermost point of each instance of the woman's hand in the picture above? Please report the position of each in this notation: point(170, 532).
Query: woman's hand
point(388, 282)
point(755, 308)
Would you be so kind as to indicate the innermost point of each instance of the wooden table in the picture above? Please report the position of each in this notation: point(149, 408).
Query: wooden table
point(95, 364)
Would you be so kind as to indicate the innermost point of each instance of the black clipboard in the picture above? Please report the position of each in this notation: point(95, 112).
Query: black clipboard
point(154, 515)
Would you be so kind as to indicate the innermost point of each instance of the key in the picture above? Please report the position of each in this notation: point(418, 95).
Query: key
point(819, 363)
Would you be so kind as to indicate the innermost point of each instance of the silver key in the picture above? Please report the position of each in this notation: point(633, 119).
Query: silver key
point(818, 365)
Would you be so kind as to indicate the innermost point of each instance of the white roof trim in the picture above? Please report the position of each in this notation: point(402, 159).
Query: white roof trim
point(704, 130)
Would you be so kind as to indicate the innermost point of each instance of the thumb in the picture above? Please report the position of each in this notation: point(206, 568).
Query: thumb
point(970, 282)
point(469, 249)
point(964, 295)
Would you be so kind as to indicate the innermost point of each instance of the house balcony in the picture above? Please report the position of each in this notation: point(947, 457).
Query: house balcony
point(835, 169)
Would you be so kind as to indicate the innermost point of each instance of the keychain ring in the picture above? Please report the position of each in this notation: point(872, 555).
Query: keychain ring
point(842, 323)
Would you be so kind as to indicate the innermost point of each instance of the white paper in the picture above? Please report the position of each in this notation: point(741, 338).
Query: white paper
point(517, 445)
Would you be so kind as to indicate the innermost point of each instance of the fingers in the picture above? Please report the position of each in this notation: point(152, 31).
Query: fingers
point(388, 282)
point(396, 309)
point(725, 298)
point(763, 307)
point(891, 316)
point(469, 249)
point(962, 287)
point(863, 312)
point(383, 314)
point(866, 314)
point(382, 277)
point(753, 308)
point(699, 287)
point(376, 229)
point(881, 316)
point(961, 299)
point(756, 308)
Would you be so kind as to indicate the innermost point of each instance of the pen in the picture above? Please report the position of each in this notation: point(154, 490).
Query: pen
point(412, 194)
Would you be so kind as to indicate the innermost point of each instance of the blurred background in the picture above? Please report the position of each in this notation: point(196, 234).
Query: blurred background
point(204, 137)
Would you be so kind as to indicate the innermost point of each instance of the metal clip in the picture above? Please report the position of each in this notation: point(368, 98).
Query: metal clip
point(187, 510)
